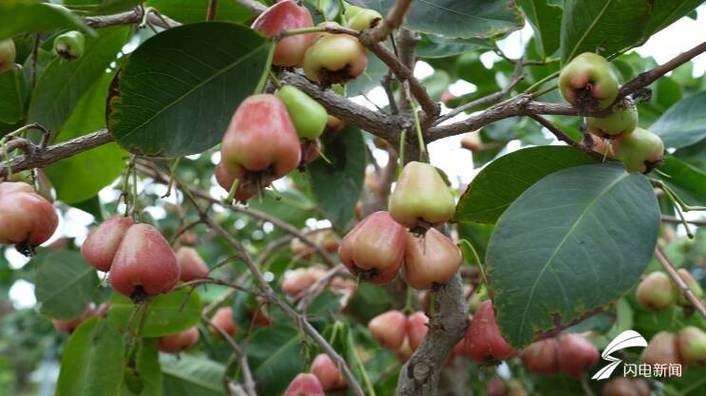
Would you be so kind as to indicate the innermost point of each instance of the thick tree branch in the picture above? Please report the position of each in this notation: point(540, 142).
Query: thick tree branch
point(393, 20)
point(133, 16)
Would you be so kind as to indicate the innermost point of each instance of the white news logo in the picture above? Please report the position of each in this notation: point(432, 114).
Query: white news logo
point(626, 339)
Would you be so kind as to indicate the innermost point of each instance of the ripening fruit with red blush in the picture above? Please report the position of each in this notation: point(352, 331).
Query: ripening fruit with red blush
point(389, 329)
point(14, 187)
point(421, 198)
point(191, 264)
point(301, 279)
point(576, 354)
point(640, 151)
point(260, 143)
point(656, 291)
point(622, 386)
point(623, 119)
point(175, 343)
point(693, 285)
point(430, 260)
point(103, 242)
point(662, 349)
point(374, 248)
point(542, 357)
point(223, 320)
point(588, 82)
point(305, 384)
point(7, 54)
point(145, 264)
point(484, 343)
point(496, 387)
point(70, 325)
point(282, 16)
point(417, 328)
point(245, 189)
point(26, 218)
point(335, 59)
point(328, 374)
point(692, 345)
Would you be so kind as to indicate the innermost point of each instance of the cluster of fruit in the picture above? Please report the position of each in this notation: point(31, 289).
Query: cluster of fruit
point(656, 291)
point(399, 333)
point(324, 377)
point(590, 85)
point(571, 354)
point(27, 219)
point(67, 46)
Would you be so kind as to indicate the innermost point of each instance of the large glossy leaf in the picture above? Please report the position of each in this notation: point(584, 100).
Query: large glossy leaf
point(191, 11)
point(167, 313)
point(92, 362)
point(30, 16)
point(573, 242)
point(457, 18)
point(62, 84)
point(434, 46)
point(688, 182)
point(666, 12)
point(602, 26)
point(504, 179)
point(545, 20)
point(82, 176)
point(177, 92)
point(146, 376)
point(191, 376)
point(346, 151)
point(14, 93)
point(684, 123)
point(274, 355)
point(65, 284)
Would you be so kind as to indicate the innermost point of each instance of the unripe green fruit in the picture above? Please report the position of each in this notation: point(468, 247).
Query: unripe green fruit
point(358, 18)
point(640, 151)
point(309, 117)
point(335, 58)
point(7, 54)
point(588, 83)
point(693, 285)
point(656, 291)
point(622, 120)
point(70, 45)
point(421, 198)
point(692, 345)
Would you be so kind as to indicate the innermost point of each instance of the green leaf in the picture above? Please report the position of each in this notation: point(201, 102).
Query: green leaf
point(275, 357)
point(368, 301)
point(82, 176)
point(28, 16)
point(435, 46)
point(92, 362)
point(346, 151)
point(602, 26)
point(191, 376)
point(62, 84)
point(14, 94)
point(148, 371)
point(545, 20)
point(504, 179)
point(95, 7)
point(457, 18)
point(573, 242)
point(176, 94)
point(192, 11)
point(167, 313)
point(65, 284)
point(684, 123)
point(688, 182)
point(666, 12)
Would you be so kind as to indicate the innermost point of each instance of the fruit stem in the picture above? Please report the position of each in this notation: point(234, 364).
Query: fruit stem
point(403, 140)
point(409, 307)
point(134, 331)
point(545, 91)
point(418, 127)
point(541, 82)
point(361, 367)
point(275, 80)
point(231, 193)
point(672, 196)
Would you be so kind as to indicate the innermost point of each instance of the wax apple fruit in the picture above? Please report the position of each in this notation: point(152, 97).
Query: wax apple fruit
point(335, 59)
point(656, 291)
point(374, 249)
point(300, 280)
point(7, 54)
point(389, 329)
point(191, 264)
point(26, 218)
point(145, 264)
point(542, 357)
point(102, 243)
point(223, 320)
point(662, 349)
point(692, 345)
point(358, 18)
point(69, 45)
point(622, 386)
point(308, 116)
point(417, 328)
point(576, 354)
point(305, 384)
point(640, 151)
point(175, 343)
point(429, 260)
point(484, 343)
point(260, 142)
point(328, 374)
point(282, 16)
point(245, 190)
point(622, 120)
point(421, 198)
point(693, 285)
point(588, 83)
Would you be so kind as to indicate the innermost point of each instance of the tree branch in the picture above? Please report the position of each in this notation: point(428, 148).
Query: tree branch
point(242, 357)
point(133, 16)
point(393, 20)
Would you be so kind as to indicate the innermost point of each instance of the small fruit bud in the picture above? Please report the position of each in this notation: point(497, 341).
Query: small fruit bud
point(656, 291)
point(484, 343)
point(417, 328)
point(283, 16)
point(70, 45)
point(305, 384)
point(430, 260)
point(102, 243)
point(334, 59)
point(662, 349)
point(576, 354)
point(588, 83)
point(542, 357)
point(7, 54)
point(622, 120)
point(421, 198)
point(223, 320)
point(692, 345)
point(640, 151)
point(308, 116)
point(389, 329)
point(191, 264)
point(328, 374)
point(374, 249)
point(693, 285)
point(175, 343)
